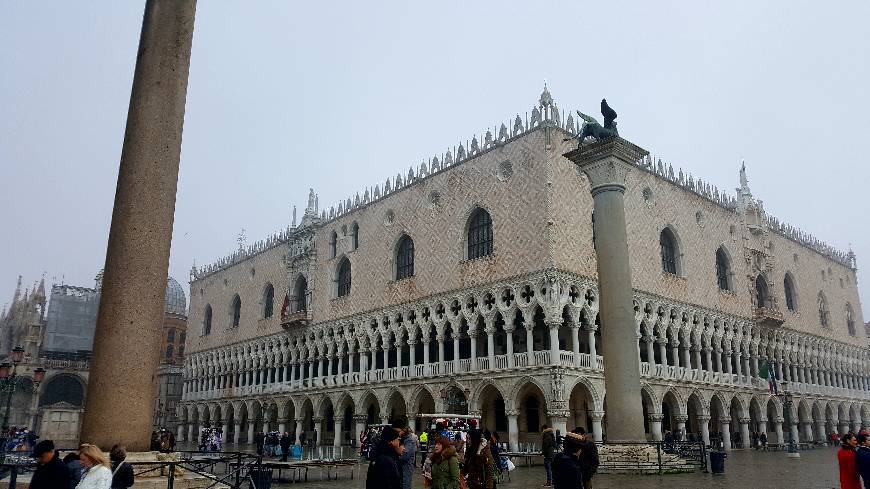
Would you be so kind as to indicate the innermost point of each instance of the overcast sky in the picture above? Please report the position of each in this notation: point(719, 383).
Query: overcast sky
point(341, 95)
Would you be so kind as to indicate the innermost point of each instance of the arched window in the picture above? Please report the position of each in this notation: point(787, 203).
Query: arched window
point(850, 320)
point(723, 269)
point(301, 294)
point(479, 234)
point(268, 301)
point(354, 236)
point(170, 336)
point(206, 320)
point(760, 291)
point(788, 289)
point(169, 350)
point(236, 311)
point(405, 257)
point(670, 255)
point(180, 350)
point(344, 278)
point(333, 244)
point(823, 311)
point(182, 337)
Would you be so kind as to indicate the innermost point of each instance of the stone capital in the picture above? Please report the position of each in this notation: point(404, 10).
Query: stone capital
point(656, 417)
point(607, 163)
point(360, 418)
point(681, 418)
point(745, 420)
point(512, 412)
point(703, 417)
point(597, 415)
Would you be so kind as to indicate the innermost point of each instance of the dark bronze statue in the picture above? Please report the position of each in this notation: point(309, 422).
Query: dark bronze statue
point(592, 128)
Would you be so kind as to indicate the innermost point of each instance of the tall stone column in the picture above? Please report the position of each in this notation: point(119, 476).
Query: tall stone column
point(597, 431)
point(530, 342)
point(777, 428)
point(473, 336)
point(555, 351)
point(745, 439)
point(726, 434)
point(513, 430)
point(704, 421)
point(655, 426)
point(681, 419)
point(130, 318)
point(593, 351)
point(191, 435)
point(490, 342)
point(606, 165)
point(299, 431)
point(180, 433)
point(360, 420)
point(338, 430)
point(509, 337)
point(237, 433)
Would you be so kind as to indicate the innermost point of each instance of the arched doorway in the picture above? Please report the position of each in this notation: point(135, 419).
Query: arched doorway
point(492, 410)
point(454, 400)
point(533, 412)
point(581, 405)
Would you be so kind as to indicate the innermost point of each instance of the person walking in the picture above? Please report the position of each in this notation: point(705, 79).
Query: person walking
point(50, 472)
point(98, 474)
point(445, 465)
point(285, 446)
point(862, 458)
point(846, 458)
point(567, 469)
point(479, 468)
point(122, 472)
point(259, 440)
point(384, 471)
point(548, 449)
point(75, 468)
point(408, 458)
point(588, 456)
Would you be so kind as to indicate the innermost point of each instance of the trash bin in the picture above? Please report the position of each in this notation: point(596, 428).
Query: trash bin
point(717, 462)
point(260, 478)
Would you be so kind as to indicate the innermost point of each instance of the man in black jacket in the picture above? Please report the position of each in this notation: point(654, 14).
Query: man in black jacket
point(384, 471)
point(588, 456)
point(51, 473)
point(285, 446)
point(567, 468)
point(548, 448)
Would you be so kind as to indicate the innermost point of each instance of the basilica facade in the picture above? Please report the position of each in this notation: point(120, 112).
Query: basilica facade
point(469, 285)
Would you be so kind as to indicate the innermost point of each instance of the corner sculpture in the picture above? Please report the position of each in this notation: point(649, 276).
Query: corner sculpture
point(592, 128)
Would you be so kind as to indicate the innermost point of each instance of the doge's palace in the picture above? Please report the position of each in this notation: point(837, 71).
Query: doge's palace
point(469, 285)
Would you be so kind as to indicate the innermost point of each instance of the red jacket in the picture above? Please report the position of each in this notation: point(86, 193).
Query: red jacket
point(848, 472)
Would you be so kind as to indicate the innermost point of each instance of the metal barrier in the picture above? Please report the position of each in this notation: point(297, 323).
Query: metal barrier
point(230, 469)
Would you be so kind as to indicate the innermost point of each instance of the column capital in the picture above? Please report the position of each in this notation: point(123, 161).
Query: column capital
point(597, 415)
point(360, 418)
point(607, 163)
point(745, 420)
point(681, 418)
point(704, 417)
point(512, 412)
point(656, 417)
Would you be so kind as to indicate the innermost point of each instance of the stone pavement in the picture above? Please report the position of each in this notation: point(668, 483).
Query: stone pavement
point(816, 469)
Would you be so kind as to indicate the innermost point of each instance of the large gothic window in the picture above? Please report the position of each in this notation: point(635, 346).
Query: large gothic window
point(354, 236)
point(760, 291)
point(405, 257)
point(344, 278)
point(333, 244)
point(236, 311)
point(479, 234)
point(823, 311)
point(723, 269)
point(788, 289)
point(206, 320)
point(301, 294)
point(268, 301)
point(850, 320)
point(668, 243)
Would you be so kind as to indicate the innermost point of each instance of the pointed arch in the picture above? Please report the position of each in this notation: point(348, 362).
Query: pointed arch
point(268, 300)
point(478, 232)
point(669, 245)
point(235, 311)
point(343, 277)
point(824, 312)
point(206, 320)
point(790, 292)
point(723, 269)
point(404, 257)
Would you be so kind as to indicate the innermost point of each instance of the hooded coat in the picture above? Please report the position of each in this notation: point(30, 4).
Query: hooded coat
point(52, 475)
point(548, 443)
point(445, 469)
point(479, 468)
point(384, 471)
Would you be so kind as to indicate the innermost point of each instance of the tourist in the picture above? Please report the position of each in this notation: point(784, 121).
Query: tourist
point(303, 438)
point(445, 466)
point(862, 458)
point(155, 442)
point(424, 445)
point(122, 472)
point(846, 458)
point(98, 474)
point(548, 449)
point(588, 456)
point(285, 446)
point(567, 468)
point(762, 438)
point(75, 468)
point(384, 471)
point(259, 440)
point(408, 458)
point(51, 473)
point(479, 468)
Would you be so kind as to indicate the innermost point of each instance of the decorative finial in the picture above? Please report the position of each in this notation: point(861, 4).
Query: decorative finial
point(241, 240)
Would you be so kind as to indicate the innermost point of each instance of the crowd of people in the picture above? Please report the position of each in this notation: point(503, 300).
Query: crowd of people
point(162, 441)
point(86, 468)
point(469, 458)
point(19, 439)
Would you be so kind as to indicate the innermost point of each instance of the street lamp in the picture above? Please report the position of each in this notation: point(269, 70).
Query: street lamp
point(785, 396)
point(8, 385)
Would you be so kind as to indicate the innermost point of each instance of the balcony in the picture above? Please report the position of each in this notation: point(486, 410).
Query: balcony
point(768, 316)
point(294, 320)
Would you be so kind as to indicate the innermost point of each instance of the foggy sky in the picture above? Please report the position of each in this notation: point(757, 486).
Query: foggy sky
point(339, 96)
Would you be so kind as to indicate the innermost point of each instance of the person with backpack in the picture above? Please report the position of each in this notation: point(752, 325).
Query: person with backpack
point(479, 468)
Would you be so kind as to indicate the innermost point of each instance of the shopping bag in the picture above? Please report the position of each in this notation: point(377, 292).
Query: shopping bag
point(278, 451)
point(510, 465)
